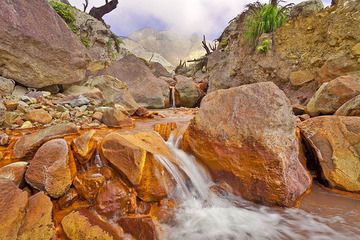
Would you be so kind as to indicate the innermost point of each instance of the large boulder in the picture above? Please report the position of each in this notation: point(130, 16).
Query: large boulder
point(52, 168)
point(38, 223)
point(148, 90)
point(37, 49)
point(14, 172)
point(133, 155)
point(350, 108)
point(26, 146)
point(246, 137)
point(307, 8)
point(335, 143)
point(115, 91)
point(13, 202)
point(188, 91)
point(332, 95)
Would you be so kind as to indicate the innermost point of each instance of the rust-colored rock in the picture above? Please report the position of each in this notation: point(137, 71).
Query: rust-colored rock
point(13, 202)
point(38, 223)
point(133, 155)
point(14, 172)
point(114, 117)
point(139, 226)
point(165, 129)
point(38, 51)
point(164, 212)
point(246, 137)
point(335, 143)
point(50, 169)
point(39, 116)
point(85, 224)
point(69, 198)
point(332, 95)
point(26, 146)
point(115, 199)
point(11, 105)
point(88, 184)
point(84, 147)
point(350, 108)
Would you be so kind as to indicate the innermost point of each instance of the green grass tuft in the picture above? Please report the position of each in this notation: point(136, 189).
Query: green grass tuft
point(65, 13)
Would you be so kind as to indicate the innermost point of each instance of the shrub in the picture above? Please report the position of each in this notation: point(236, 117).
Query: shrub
point(264, 46)
point(118, 42)
point(264, 19)
point(86, 42)
point(65, 13)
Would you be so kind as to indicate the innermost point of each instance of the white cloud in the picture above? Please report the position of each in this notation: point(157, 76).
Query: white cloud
point(208, 17)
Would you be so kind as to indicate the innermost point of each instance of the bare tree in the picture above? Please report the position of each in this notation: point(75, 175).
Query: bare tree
point(86, 4)
point(99, 12)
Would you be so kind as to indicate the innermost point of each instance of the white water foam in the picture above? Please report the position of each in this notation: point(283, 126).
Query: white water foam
point(203, 215)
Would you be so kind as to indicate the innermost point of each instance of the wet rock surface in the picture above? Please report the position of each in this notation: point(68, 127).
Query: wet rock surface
point(243, 139)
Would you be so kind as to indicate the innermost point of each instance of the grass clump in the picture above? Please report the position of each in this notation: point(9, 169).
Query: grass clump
point(86, 42)
point(118, 42)
point(265, 18)
point(65, 12)
point(264, 46)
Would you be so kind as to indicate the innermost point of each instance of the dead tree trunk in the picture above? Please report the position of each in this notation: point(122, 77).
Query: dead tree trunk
point(99, 12)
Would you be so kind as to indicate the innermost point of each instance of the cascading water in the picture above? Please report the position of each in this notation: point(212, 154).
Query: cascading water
point(173, 100)
point(203, 215)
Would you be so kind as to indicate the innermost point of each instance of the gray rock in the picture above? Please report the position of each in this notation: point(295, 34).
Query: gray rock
point(6, 86)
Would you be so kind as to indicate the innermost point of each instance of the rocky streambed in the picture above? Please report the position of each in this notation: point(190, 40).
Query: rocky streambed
point(64, 183)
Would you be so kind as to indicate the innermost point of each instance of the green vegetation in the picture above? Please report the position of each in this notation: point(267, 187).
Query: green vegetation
point(86, 42)
point(64, 11)
point(223, 43)
point(118, 42)
point(264, 46)
point(264, 18)
point(109, 44)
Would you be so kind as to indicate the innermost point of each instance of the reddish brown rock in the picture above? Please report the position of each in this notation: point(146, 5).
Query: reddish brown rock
point(165, 129)
point(139, 226)
point(350, 108)
point(335, 143)
point(69, 198)
point(50, 169)
point(246, 137)
point(97, 116)
point(88, 184)
point(114, 117)
point(85, 224)
point(11, 105)
point(332, 95)
point(84, 147)
point(38, 223)
point(38, 56)
point(14, 172)
point(115, 199)
point(4, 139)
point(39, 116)
point(164, 212)
point(13, 202)
point(26, 146)
point(132, 154)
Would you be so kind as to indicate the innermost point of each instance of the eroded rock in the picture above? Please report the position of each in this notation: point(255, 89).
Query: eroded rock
point(84, 147)
point(14, 172)
point(114, 117)
point(139, 226)
point(350, 108)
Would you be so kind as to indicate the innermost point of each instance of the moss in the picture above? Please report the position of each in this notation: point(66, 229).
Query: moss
point(109, 44)
point(86, 42)
point(223, 43)
point(65, 12)
point(264, 46)
point(118, 42)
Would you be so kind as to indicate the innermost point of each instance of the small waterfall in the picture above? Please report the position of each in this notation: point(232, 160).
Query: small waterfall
point(173, 97)
point(203, 215)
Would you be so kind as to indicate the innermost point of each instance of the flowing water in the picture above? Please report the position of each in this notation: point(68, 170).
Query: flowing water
point(173, 98)
point(202, 214)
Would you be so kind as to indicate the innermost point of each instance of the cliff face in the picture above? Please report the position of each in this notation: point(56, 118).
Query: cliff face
point(306, 52)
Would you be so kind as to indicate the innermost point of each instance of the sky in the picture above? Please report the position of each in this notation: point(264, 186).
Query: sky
point(208, 17)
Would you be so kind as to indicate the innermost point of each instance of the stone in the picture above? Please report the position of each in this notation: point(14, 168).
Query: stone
point(350, 108)
point(133, 155)
point(115, 199)
point(159, 70)
point(26, 125)
point(13, 203)
point(51, 168)
point(2, 113)
point(355, 50)
point(97, 116)
point(10, 118)
point(38, 223)
point(88, 184)
point(165, 211)
point(306, 8)
point(14, 172)
point(6, 86)
point(52, 53)
point(298, 109)
point(69, 198)
point(332, 95)
point(246, 137)
point(300, 78)
point(77, 101)
point(165, 129)
point(335, 143)
point(85, 224)
point(19, 91)
point(11, 105)
point(189, 93)
point(75, 91)
point(26, 146)
point(114, 117)
point(115, 92)
point(139, 226)
point(84, 147)
point(39, 115)
point(147, 90)
point(4, 139)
